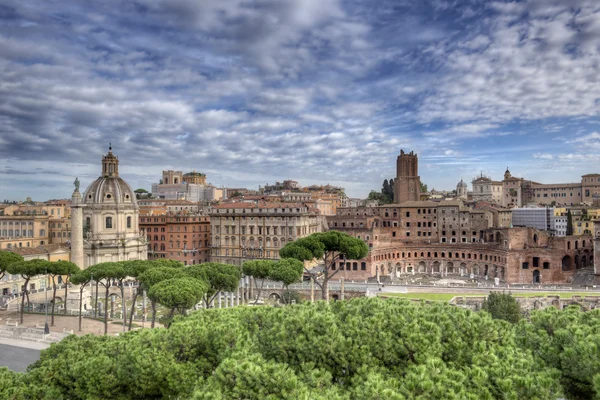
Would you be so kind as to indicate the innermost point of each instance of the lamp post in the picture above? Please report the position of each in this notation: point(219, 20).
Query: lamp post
point(46, 327)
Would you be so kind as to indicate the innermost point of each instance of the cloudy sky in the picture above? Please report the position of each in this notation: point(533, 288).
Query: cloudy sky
point(320, 91)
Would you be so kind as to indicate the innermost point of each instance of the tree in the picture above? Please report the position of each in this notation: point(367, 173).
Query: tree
point(259, 270)
point(569, 223)
point(134, 269)
point(331, 247)
point(178, 294)
point(60, 268)
point(220, 278)
point(367, 348)
point(155, 275)
point(105, 274)
point(68, 268)
point(287, 271)
point(502, 306)
point(27, 270)
point(81, 278)
point(7, 258)
point(236, 194)
point(423, 187)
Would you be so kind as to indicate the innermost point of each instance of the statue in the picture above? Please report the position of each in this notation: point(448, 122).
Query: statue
point(76, 183)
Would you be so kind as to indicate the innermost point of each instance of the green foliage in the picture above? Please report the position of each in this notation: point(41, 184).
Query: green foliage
point(7, 258)
point(569, 341)
point(287, 271)
point(178, 294)
point(359, 349)
point(423, 187)
point(220, 277)
point(503, 306)
point(329, 246)
point(258, 269)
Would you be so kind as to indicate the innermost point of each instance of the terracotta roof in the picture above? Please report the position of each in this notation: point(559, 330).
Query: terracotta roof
point(258, 205)
point(43, 249)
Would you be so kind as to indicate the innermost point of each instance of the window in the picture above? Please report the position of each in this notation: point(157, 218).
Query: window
point(109, 223)
point(129, 222)
point(525, 265)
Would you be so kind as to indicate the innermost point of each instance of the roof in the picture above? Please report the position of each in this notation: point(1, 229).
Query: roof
point(43, 249)
point(258, 205)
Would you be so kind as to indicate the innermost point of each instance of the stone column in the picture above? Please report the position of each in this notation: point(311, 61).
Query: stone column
point(77, 229)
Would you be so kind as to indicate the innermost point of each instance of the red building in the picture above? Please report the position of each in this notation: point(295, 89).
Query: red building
point(181, 237)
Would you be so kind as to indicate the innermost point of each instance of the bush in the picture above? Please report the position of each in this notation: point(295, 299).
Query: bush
point(503, 306)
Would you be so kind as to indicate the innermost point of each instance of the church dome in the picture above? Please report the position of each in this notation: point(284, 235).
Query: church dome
point(110, 188)
point(461, 184)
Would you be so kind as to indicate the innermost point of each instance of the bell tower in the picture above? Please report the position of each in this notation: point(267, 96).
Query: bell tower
point(110, 164)
point(407, 185)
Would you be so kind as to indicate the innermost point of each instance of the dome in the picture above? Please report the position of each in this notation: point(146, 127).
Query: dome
point(109, 188)
point(461, 184)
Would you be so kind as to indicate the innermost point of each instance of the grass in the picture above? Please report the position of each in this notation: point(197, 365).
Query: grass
point(449, 296)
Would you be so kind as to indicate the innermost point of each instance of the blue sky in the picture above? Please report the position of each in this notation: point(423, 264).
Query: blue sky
point(320, 91)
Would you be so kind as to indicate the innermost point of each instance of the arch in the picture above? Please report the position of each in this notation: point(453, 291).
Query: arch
point(576, 244)
point(583, 261)
point(537, 278)
point(475, 270)
point(535, 238)
point(275, 296)
point(435, 267)
point(567, 263)
point(422, 267)
point(568, 245)
point(463, 269)
point(450, 267)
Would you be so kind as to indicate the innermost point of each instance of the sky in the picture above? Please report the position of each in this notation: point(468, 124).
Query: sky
point(318, 91)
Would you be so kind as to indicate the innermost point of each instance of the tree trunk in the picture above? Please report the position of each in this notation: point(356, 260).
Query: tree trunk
point(96, 303)
point(106, 309)
point(53, 299)
point(66, 292)
point(133, 308)
point(80, 304)
point(124, 308)
point(259, 290)
point(153, 313)
point(23, 299)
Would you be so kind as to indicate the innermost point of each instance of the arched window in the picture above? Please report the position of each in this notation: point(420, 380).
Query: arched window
point(109, 224)
point(129, 222)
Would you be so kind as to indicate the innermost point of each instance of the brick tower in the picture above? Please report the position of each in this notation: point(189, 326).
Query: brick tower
point(407, 185)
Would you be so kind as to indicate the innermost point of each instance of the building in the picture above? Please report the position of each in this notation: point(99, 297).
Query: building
point(105, 220)
point(541, 218)
point(184, 237)
point(447, 238)
point(175, 185)
point(407, 184)
point(462, 190)
point(244, 231)
point(485, 189)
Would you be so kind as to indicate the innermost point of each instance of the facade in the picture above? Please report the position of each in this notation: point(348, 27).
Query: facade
point(541, 218)
point(407, 184)
point(244, 231)
point(23, 231)
point(462, 190)
point(105, 220)
point(183, 237)
point(175, 185)
point(485, 189)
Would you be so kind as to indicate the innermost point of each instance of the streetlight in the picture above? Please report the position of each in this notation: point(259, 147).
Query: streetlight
point(46, 327)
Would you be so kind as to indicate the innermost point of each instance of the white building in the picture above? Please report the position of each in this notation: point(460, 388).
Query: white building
point(105, 220)
point(484, 188)
point(560, 225)
point(175, 185)
point(541, 218)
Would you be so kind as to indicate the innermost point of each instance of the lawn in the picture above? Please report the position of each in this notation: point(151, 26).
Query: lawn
point(449, 296)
